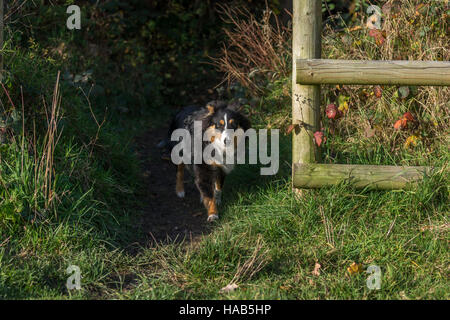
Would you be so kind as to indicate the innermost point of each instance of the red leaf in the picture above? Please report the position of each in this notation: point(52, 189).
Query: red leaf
point(374, 33)
point(332, 111)
point(319, 138)
point(377, 91)
point(290, 128)
point(408, 116)
point(398, 125)
point(378, 35)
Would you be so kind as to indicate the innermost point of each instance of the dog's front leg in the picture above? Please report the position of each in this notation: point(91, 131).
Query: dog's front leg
point(204, 180)
point(218, 185)
point(180, 181)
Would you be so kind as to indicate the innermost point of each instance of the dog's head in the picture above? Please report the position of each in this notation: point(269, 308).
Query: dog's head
point(224, 118)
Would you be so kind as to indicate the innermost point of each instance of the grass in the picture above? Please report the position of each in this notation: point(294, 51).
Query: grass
point(281, 238)
point(77, 200)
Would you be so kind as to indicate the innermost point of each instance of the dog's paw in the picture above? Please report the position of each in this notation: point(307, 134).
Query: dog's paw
point(180, 194)
point(218, 196)
point(213, 217)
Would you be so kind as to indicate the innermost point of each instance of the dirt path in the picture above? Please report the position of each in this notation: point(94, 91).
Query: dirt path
point(166, 217)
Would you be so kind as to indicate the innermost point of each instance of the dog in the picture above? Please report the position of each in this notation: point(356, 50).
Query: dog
point(218, 117)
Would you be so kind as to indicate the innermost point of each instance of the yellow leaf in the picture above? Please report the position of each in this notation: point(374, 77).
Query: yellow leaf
point(355, 268)
point(343, 107)
point(412, 140)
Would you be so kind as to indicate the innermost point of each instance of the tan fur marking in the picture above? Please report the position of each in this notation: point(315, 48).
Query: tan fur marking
point(210, 109)
point(231, 121)
point(210, 205)
point(212, 134)
point(222, 122)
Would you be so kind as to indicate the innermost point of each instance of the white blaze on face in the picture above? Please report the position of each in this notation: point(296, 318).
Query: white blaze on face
point(225, 134)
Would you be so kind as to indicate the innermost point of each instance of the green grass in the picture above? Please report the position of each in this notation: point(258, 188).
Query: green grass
point(403, 232)
point(263, 226)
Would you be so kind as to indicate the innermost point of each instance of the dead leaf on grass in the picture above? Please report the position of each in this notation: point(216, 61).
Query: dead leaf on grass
point(316, 270)
point(229, 288)
point(355, 268)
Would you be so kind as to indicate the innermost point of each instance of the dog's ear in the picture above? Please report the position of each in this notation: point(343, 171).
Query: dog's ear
point(235, 105)
point(215, 105)
point(243, 122)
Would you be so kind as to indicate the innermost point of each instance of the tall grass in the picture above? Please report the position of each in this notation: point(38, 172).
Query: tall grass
point(257, 51)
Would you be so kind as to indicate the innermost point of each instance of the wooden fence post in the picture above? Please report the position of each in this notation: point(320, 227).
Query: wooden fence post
point(306, 44)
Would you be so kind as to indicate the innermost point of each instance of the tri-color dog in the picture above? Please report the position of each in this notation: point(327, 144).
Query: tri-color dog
point(222, 119)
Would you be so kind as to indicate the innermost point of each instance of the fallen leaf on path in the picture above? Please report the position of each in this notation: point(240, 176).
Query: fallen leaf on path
point(229, 288)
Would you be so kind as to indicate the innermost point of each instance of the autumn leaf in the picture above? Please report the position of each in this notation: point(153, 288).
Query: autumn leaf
point(316, 270)
point(411, 140)
point(332, 111)
point(408, 116)
point(403, 122)
point(378, 35)
point(399, 124)
point(355, 268)
point(319, 138)
point(228, 288)
point(343, 103)
point(290, 128)
point(420, 9)
point(378, 91)
point(343, 107)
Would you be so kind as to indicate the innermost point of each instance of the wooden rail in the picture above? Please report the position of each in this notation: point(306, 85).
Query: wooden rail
point(325, 71)
point(360, 176)
point(309, 72)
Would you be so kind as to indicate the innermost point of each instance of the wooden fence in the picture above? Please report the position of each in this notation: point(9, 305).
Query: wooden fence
point(309, 71)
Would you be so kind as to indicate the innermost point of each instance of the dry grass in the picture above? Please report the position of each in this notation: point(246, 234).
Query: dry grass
point(256, 50)
point(412, 32)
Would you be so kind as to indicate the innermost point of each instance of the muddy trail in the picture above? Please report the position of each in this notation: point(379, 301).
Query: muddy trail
point(166, 217)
